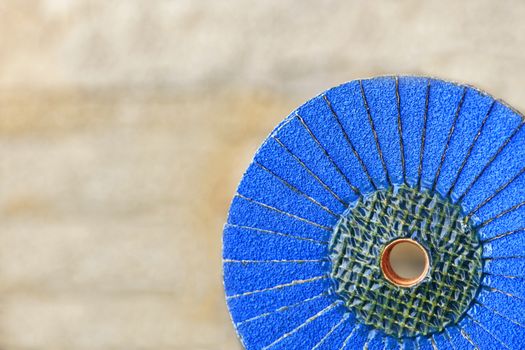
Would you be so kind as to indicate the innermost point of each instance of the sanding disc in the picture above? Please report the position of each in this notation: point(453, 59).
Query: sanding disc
point(349, 180)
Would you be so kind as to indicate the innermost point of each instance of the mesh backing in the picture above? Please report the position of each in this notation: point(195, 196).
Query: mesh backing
point(439, 226)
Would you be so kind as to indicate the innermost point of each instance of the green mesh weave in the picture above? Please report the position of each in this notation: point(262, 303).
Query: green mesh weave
point(439, 226)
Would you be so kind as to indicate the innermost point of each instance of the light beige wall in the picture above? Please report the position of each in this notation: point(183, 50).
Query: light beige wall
point(125, 126)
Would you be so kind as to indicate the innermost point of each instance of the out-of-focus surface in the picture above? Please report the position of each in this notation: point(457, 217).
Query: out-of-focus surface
point(125, 126)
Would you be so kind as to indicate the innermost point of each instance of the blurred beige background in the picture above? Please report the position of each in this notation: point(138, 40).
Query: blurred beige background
point(125, 126)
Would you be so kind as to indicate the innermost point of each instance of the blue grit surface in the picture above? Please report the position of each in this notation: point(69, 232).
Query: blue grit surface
point(346, 143)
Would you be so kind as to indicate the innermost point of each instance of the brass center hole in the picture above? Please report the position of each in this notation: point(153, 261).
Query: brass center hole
point(404, 262)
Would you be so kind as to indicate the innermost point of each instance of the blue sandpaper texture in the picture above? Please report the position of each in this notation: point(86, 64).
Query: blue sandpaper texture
point(356, 138)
